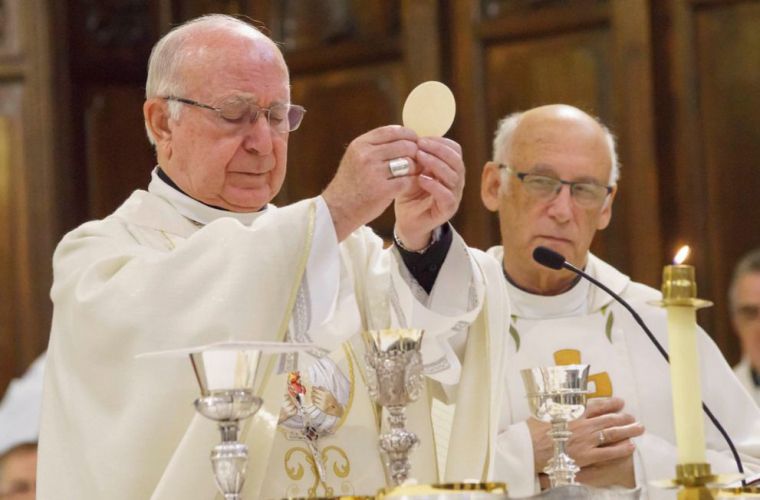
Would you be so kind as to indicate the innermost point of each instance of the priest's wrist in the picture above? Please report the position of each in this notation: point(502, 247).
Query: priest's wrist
point(343, 223)
point(416, 245)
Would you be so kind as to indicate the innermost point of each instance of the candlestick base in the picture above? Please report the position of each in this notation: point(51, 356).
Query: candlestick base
point(743, 492)
point(695, 475)
point(695, 493)
point(697, 482)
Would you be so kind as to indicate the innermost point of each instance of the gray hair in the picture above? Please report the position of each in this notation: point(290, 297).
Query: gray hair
point(748, 264)
point(502, 143)
point(172, 51)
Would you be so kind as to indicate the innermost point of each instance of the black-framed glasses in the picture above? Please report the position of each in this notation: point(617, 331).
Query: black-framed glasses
point(545, 188)
point(280, 117)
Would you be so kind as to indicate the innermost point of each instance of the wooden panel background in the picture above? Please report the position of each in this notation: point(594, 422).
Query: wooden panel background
point(676, 80)
point(709, 131)
point(28, 188)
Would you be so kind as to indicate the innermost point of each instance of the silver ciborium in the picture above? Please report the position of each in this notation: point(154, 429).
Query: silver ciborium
point(226, 379)
point(394, 379)
point(557, 394)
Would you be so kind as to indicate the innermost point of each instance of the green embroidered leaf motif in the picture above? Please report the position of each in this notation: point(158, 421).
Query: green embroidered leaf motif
point(608, 326)
point(514, 333)
point(604, 309)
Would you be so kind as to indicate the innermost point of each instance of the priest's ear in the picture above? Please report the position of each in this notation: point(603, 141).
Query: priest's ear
point(156, 114)
point(490, 186)
point(606, 214)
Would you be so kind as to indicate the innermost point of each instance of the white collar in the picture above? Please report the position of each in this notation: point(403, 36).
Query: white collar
point(193, 209)
point(581, 299)
point(573, 302)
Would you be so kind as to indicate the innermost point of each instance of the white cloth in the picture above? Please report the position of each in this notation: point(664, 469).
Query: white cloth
point(585, 325)
point(20, 407)
point(744, 374)
point(165, 272)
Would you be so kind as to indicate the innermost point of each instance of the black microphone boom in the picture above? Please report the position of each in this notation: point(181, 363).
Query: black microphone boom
point(553, 260)
point(549, 258)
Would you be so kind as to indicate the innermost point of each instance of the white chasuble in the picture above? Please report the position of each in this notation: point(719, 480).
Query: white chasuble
point(328, 394)
point(589, 339)
point(166, 272)
point(584, 325)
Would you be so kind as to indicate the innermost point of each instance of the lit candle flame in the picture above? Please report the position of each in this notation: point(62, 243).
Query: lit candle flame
point(681, 255)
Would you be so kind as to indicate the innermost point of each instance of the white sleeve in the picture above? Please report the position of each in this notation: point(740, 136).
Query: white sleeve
point(452, 305)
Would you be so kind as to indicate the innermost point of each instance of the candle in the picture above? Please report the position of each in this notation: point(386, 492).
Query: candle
point(679, 292)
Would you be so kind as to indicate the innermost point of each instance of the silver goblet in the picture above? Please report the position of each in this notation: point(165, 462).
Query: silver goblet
point(557, 394)
point(226, 379)
point(394, 379)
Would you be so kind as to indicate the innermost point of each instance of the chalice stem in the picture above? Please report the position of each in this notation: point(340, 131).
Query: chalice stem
point(397, 444)
point(560, 435)
point(561, 468)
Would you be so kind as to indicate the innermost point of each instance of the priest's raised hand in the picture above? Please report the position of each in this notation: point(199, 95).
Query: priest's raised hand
point(432, 197)
point(365, 184)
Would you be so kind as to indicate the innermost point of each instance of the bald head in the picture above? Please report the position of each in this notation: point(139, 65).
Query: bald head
point(545, 125)
point(558, 146)
point(187, 48)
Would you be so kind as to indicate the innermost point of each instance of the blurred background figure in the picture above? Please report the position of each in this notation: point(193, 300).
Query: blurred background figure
point(20, 408)
point(18, 472)
point(744, 299)
point(19, 428)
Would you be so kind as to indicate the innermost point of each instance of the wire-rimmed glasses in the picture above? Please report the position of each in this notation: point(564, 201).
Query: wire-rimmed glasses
point(545, 188)
point(280, 117)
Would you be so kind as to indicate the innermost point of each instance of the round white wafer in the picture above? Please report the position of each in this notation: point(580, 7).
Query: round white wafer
point(430, 109)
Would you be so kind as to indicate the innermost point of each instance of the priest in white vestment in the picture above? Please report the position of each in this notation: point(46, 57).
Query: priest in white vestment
point(203, 257)
point(744, 301)
point(552, 182)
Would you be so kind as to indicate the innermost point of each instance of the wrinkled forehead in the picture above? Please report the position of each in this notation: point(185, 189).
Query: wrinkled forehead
point(562, 140)
point(219, 54)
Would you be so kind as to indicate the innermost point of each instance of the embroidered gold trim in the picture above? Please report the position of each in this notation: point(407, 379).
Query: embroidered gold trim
point(359, 368)
point(352, 380)
point(301, 269)
point(172, 246)
point(289, 310)
point(295, 471)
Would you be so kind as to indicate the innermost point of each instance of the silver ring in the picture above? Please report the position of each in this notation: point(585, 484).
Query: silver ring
point(601, 438)
point(399, 167)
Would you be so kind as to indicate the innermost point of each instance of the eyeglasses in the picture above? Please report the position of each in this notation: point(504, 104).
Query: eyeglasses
point(747, 312)
point(545, 188)
point(280, 117)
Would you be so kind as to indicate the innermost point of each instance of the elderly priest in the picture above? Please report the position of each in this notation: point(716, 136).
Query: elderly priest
point(202, 257)
point(552, 181)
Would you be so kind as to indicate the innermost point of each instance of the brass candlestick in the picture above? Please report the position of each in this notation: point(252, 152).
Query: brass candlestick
point(679, 298)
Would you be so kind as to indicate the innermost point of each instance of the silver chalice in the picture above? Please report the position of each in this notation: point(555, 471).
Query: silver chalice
point(394, 379)
point(557, 394)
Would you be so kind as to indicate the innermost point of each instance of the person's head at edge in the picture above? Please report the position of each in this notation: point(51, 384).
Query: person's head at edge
point(18, 472)
point(558, 142)
point(224, 63)
point(744, 301)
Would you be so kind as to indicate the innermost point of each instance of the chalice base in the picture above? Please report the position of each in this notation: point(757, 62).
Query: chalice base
point(561, 470)
point(397, 444)
point(229, 461)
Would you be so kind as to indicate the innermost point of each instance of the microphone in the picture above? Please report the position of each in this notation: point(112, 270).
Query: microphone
point(553, 260)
